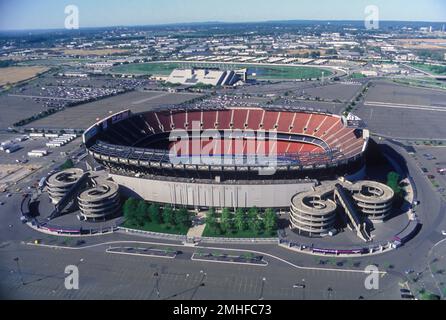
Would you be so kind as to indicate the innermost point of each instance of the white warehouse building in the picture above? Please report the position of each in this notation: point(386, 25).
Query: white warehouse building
point(206, 76)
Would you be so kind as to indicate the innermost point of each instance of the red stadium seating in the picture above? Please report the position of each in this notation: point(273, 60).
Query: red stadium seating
point(239, 120)
point(254, 119)
point(153, 122)
point(300, 122)
point(179, 119)
point(329, 122)
point(285, 121)
point(316, 121)
point(224, 119)
point(192, 117)
point(270, 120)
point(209, 119)
point(328, 128)
point(164, 119)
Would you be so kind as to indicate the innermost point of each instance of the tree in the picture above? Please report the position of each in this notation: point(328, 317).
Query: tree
point(240, 220)
point(211, 221)
point(226, 220)
point(393, 181)
point(270, 220)
point(168, 215)
point(253, 214)
point(182, 218)
point(154, 214)
point(258, 226)
point(141, 213)
point(129, 210)
point(67, 165)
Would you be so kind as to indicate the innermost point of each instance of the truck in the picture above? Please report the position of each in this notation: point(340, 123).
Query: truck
point(13, 148)
point(42, 182)
point(6, 145)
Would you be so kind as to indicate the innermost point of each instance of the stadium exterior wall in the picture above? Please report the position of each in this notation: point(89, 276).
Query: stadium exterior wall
point(206, 195)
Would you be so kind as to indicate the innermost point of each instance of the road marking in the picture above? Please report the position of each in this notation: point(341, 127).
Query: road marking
point(137, 254)
point(230, 262)
point(405, 106)
point(208, 248)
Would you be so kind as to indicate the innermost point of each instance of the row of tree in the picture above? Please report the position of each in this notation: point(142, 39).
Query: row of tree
point(242, 220)
point(138, 213)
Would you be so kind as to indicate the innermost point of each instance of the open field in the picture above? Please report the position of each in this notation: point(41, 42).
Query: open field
point(432, 69)
point(429, 44)
point(422, 82)
point(13, 75)
point(261, 72)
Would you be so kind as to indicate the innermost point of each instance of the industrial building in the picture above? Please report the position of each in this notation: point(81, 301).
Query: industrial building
point(192, 77)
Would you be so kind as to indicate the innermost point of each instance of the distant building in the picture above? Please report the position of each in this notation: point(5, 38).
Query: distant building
point(211, 77)
point(100, 65)
point(74, 75)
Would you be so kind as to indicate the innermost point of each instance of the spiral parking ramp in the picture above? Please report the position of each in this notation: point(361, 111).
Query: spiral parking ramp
point(99, 201)
point(60, 183)
point(314, 213)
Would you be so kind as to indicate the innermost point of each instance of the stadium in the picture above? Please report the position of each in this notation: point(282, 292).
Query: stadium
point(235, 157)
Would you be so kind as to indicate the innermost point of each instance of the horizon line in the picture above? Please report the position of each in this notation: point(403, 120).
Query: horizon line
point(209, 22)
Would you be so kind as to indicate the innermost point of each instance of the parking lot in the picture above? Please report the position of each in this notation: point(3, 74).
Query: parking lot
point(55, 92)
point(430, 160)
point(404, 112)
point(83, 116)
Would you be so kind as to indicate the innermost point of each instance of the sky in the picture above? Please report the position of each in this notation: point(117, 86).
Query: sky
point(49, 14)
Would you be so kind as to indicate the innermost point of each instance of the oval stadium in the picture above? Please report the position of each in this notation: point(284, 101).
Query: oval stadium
point(229, 157)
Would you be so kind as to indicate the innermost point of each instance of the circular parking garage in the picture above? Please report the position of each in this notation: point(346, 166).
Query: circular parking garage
point(312, 215)
point(316, 213)
point(373, 199)
point(100, 201)
point(60, 183)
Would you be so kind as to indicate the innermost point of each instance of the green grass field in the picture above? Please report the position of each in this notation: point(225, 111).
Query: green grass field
point(357, 76)
point(422, 82)
point(434, 70)
point(262, 72)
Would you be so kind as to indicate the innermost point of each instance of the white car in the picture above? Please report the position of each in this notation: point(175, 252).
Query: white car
point(443, 232)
